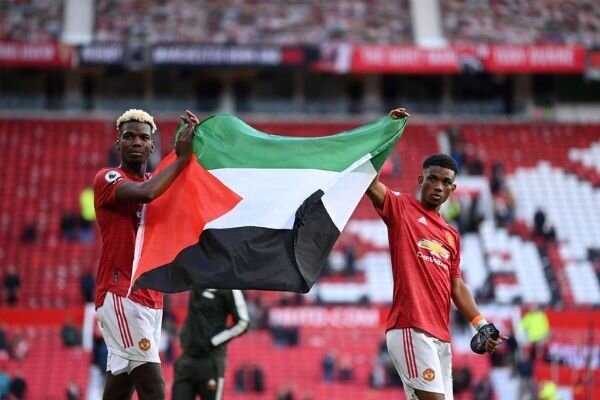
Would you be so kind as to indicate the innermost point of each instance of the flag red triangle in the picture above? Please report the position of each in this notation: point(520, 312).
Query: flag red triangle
point(176, 219)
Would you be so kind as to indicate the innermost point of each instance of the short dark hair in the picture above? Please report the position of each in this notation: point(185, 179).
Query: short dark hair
point(441, 160)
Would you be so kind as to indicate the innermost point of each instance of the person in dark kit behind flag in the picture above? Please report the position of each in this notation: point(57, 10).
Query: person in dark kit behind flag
point(200, 371)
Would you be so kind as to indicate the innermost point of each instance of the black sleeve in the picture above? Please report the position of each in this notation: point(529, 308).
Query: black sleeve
point(236, 305)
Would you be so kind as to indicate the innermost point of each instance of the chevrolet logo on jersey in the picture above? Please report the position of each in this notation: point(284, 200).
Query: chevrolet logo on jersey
point(435, 248)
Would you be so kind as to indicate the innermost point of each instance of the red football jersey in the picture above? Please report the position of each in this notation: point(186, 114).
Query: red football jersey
point(118, 224)
point(425, 254)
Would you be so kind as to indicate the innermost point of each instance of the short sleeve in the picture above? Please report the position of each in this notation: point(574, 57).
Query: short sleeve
point(393, 206)
point(106, 183)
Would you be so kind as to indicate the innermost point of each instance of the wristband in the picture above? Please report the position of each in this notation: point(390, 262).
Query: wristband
point(478, 322)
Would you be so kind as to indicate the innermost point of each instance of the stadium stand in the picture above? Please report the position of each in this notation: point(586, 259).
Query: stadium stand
point(310, 22)
point(576, 229)
point(31, 20)
point(584, 162)
point(254, 22)
point(305, 374)
point(517, 22)
point(589, 157)
point(582, 276)
point(510, 255)
point(534, 169)
point(40, 182)
point(49, 367)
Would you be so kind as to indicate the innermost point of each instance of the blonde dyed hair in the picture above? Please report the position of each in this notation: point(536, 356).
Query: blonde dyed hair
point(134, 114)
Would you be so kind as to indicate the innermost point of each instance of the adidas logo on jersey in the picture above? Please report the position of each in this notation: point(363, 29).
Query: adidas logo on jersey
point(422, 220)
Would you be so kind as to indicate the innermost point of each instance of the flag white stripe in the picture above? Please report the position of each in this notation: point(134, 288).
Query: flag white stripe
point(341, 199)
point(270, 197)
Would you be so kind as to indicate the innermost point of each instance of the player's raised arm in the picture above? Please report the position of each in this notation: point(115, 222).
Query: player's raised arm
point(376, 192)
point(145, 192)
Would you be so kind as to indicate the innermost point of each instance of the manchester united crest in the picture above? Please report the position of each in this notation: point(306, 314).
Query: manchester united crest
point(429, 374)
point(144, 344)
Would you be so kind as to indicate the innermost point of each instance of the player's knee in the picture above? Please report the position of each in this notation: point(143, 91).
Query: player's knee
point(118, 387)
point(149, 382)
point(151, 389)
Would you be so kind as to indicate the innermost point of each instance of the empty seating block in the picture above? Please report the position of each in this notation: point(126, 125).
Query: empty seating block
point(584, 281)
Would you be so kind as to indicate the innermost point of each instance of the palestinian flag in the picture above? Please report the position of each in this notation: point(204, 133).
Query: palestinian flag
point(254, 210)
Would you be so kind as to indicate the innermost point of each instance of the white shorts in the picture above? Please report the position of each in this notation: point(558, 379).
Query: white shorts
point(131, 332)
point(422, 361)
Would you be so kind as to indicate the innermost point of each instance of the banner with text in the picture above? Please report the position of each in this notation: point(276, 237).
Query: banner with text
point(535, 59)
point(456, 59)
point(404, 59)
point(102, 54)
point(329, 317)
point(35, 55)
point(231, 56)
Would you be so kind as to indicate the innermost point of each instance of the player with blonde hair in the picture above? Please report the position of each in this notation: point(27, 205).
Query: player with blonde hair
point(131, 325)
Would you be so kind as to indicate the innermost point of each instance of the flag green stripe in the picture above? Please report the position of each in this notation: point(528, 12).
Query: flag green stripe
point(225, 141)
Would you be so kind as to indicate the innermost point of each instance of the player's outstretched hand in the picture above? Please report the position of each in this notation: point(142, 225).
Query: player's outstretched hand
point(183, 147)
point(398, 113)
point(190, 118)
point(487, 339)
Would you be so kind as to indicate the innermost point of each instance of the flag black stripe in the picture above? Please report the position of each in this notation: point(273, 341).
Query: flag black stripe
point(253, 257)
